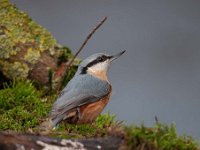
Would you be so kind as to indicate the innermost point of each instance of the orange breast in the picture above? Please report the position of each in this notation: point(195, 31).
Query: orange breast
point(100, 74)
point(89, 112)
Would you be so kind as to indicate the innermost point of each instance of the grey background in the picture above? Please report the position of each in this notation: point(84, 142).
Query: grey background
point(160, 73)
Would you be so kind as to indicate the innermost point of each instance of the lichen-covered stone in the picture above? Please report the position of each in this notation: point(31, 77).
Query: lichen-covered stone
point(27, 50)
point(17, 27)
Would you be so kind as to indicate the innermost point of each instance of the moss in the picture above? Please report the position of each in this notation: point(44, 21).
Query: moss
point(159, 137)
point(96, 129)
point(105, 120)
point(21, 106)
point(64, 55)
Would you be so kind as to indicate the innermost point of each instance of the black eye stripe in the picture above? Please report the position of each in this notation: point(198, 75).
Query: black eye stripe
point(99, 59)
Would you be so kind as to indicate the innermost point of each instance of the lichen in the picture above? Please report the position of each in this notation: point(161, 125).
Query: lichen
point(15, 70)
point(32, 56)
point(23, 42)
point(17, 27)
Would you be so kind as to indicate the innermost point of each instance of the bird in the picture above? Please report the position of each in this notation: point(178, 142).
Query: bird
point(86, 94)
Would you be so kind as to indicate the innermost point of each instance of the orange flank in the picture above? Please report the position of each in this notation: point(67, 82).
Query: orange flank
point(89, 112)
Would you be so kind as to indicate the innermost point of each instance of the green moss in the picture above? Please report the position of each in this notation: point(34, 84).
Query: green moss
point(98, 128)
point(161, 137)
point(74, 131)
point(105, 120)
point(64, 55)
point(21, 107)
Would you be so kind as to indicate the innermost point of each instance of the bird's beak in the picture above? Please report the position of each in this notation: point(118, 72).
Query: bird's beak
point(113, 57)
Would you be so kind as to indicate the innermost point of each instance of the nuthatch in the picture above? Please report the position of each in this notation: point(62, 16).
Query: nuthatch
point(86, 94)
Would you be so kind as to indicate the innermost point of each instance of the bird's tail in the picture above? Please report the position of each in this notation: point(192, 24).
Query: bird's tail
point(51, 122)
point(45, 127)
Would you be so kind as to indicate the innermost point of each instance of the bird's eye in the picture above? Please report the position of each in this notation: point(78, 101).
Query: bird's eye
point(102, 58)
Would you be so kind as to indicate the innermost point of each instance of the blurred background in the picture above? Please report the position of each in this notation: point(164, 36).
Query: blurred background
point(159, 75)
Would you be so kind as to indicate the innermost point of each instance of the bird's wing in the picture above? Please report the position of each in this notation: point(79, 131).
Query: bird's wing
point(80, 90)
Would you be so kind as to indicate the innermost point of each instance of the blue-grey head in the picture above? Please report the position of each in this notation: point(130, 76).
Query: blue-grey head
point(97, 64)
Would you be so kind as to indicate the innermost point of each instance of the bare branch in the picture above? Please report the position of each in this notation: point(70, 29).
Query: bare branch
point(85, 42)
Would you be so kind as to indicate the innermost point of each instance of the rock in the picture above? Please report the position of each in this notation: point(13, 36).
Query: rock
point(29, 51)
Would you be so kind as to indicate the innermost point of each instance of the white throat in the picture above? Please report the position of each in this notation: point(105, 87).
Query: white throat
point(99, 70)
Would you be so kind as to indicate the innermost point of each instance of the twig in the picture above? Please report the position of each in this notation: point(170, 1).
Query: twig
point(63, 69)
point(85, 42)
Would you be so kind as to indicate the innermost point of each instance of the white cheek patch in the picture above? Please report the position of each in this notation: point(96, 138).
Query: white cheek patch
point(100, 67)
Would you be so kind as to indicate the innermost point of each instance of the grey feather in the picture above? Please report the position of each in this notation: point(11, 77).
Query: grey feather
point(82, 89)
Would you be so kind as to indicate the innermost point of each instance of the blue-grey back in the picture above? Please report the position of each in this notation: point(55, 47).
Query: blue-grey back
point(80, 90)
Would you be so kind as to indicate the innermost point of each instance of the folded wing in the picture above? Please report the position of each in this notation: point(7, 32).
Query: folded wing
point(80, 90)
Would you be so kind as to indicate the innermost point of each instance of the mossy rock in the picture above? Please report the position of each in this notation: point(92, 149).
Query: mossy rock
point(27, 50)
